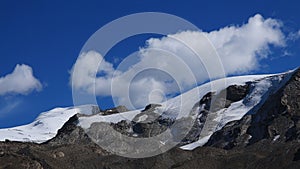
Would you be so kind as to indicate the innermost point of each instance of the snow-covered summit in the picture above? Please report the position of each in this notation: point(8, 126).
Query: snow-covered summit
point(44, 127)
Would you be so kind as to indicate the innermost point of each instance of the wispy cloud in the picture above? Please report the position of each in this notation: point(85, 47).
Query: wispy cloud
point(293, 36)
point(8, 105)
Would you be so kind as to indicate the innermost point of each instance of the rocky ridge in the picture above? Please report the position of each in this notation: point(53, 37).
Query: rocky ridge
point(268, 136)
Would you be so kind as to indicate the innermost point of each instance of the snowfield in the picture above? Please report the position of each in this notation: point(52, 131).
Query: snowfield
point(44, 127)
point(47, 124)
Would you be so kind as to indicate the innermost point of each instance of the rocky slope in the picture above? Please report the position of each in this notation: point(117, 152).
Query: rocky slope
point(276, 120)
point(267, 136)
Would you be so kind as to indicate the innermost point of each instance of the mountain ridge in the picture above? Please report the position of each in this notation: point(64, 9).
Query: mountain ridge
point(231, 142)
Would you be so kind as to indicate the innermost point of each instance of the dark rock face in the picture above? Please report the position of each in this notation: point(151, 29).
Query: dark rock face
point(237, 92)
point(146, 124)
point(151, 107)
point(297, 155)
point(70, 133)
point(123, 127)
point(115, 110)
point(212, 102)
point(118, 109)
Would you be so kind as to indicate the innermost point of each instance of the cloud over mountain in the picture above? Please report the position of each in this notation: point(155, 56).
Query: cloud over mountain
point(168, 65)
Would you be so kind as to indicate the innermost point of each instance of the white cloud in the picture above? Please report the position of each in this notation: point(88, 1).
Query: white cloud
point(240, 49)
point(20, 81)
point(87, 68)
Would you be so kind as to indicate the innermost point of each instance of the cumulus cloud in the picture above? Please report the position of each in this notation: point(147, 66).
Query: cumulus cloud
point(20, 81)
point(240, 48)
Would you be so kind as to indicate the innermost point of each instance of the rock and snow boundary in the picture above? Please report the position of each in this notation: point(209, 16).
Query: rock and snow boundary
point(47, 124)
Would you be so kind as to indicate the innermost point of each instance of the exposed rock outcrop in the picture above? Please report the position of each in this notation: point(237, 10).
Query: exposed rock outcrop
point(276, 120)
point(115, 110)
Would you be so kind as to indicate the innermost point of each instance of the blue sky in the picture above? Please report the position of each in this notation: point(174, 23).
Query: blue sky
point(48, 37)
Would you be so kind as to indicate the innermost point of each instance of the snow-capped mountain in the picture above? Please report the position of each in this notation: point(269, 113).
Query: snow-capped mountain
point(44, 127)
point(47, 124)
point(255, 125)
